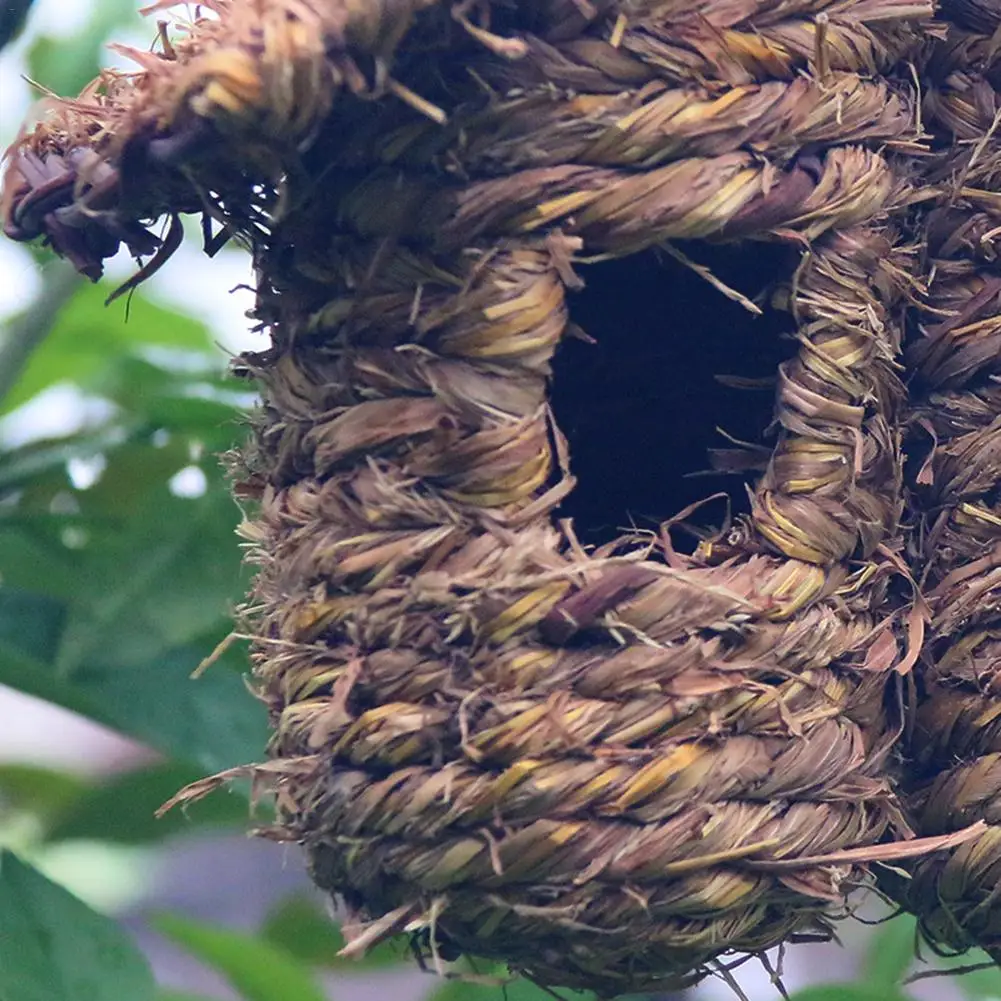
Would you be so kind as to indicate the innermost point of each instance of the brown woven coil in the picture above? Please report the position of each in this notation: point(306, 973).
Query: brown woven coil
point(955, 446)
point(609, 767)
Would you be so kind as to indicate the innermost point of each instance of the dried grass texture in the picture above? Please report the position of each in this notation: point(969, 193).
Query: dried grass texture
point(608, 768)
point(955, 492)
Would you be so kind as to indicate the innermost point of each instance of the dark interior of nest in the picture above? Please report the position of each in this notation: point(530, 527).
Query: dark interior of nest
point(671, 371)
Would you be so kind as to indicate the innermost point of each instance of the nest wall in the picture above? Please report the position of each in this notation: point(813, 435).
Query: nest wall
point(954, 489)
point(607, 767)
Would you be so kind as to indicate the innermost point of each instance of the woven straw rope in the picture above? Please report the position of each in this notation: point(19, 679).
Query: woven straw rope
point(955, 434)
point(607, 768)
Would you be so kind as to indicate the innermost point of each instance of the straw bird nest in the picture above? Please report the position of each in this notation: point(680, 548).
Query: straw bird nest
point(517, 261)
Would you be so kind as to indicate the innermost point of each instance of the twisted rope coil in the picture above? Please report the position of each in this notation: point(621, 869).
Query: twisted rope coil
point(955, 430)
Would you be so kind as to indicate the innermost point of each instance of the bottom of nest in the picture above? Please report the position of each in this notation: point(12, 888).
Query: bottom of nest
point(544, 937)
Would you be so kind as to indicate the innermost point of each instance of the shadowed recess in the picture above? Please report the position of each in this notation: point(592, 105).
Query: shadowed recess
point(647, 400)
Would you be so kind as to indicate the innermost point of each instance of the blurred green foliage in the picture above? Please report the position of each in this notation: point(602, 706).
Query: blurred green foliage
point(112, 592)
point(113, 589)
point(299, 927)
point(53, 947)
point(258, 969)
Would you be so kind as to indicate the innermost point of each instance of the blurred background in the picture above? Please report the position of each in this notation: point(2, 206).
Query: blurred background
point(118, 570)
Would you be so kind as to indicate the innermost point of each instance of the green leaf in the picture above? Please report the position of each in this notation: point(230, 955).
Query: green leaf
point(19, 466)
point(123, 810)
point(41, 791)
point(213, 721)
point(112, 595)
point(66, 69)
point(301, 928)
point(91, 344)
point(31, 625)
point(515, 990)
point(257, 969)
point(891, 951)
point(166, 576)
point(133, 487)
point(34, 559)
point(146, 600)
point(55, 948)
point(849, 992)
point(215, 424)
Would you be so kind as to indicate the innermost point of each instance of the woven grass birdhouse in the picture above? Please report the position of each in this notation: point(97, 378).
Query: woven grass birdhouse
point(598, 755)
point(954, 439)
